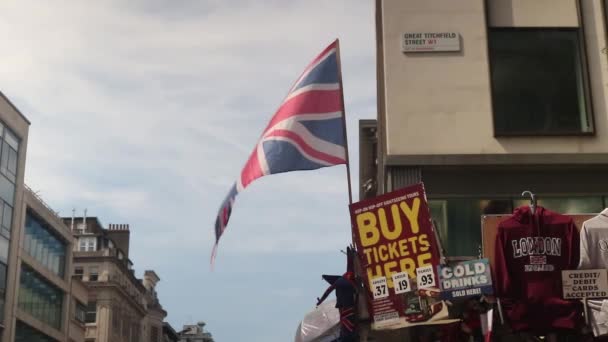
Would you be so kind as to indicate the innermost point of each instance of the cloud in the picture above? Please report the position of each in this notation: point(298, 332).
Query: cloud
point(145, 111)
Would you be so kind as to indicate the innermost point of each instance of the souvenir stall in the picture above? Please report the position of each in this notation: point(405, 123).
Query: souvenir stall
point(539, 276)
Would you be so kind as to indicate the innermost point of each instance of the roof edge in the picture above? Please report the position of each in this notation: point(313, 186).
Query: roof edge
point(15, 108)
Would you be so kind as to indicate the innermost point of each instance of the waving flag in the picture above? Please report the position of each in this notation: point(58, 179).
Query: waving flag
point(307, 132)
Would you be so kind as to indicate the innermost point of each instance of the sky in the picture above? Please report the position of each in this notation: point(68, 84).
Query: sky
point(144, 112)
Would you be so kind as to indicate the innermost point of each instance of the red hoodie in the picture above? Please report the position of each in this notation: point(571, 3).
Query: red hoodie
point(531, 251)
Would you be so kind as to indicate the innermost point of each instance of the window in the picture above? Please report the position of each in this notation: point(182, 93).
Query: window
point(41, 244)
point(91, 312)
point(25, 333)
point(459, 219)
point(93, 273)
point(81, 227)
point(7, 216)
point(2, 279)
point(8, 162)
point(80, 312)
point(78, 272)
point(39, 298)
point(538, 82)
point(4, 244)
point(7, 190)
point(87, 244)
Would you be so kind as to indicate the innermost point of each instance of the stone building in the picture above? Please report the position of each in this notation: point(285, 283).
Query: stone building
point(195, 333)
point(121, 307)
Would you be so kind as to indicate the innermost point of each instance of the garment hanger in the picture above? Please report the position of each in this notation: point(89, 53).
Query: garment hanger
point(532, 200)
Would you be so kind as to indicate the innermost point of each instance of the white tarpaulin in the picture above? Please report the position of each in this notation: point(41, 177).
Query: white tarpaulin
point(320, 325)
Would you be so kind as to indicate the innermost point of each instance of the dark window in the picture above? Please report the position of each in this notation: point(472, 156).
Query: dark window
point(93, 273)
point(80, 312)
point(91, 314)
point(25, 333)
point(2, 279)
point(4, 244)
point(458, 220)
point(42, 244)
point(40, 298)
point(78, 272)
point(538, 82)
point(7, 216)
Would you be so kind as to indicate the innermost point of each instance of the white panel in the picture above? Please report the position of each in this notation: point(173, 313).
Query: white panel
point(533, 13)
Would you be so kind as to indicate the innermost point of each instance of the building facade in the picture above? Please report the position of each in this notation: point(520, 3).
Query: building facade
point(13, 138)
point(483, 99)
point(42, 309)
point(121, 307)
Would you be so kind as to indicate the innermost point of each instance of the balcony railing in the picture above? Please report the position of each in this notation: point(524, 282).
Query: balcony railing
point(55, 213)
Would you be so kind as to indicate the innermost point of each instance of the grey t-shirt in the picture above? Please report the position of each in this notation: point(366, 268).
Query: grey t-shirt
point(594, 255)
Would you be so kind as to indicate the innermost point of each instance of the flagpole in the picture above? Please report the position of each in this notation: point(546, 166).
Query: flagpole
point(350, 190)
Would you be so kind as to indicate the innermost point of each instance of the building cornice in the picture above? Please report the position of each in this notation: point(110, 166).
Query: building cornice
point(497, 159)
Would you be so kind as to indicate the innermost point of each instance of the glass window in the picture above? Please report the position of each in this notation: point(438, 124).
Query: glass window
point(7, 190)
point(25, 333)
point(40, 298)
point(43, 245)
point(581, 205)
point(537, 82)
point(87, 244)
point(91, 314)
point(2, 279)
point(12, 165)
point(12, 140)
point(7, 216)
point(80, 312)
point(4, 158)
point(4, 244)
point(78, 271)
point(93, 273)
point(459, 222)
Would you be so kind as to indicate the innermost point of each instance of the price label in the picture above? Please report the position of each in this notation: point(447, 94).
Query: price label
point(401, 282)
point(379, 288)
point(425, 277)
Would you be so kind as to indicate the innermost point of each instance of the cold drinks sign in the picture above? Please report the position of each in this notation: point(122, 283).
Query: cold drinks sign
point(398, 252)
point(430, 41)
point(465, 279)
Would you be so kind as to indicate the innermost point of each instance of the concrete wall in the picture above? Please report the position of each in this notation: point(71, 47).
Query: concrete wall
point(440, 102)
point(526, 13)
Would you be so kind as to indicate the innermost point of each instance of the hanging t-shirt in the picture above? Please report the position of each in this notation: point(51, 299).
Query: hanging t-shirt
point(531, 251)
point(594, 255)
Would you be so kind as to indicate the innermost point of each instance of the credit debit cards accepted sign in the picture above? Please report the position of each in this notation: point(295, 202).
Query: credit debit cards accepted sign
point(465, 279)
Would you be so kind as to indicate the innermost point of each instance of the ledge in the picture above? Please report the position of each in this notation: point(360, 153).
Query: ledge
point(498, 159)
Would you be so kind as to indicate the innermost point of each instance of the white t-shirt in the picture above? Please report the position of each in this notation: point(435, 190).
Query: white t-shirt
point(594, 255)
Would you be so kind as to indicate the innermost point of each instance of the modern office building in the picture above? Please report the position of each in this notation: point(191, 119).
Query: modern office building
point(42, 309)
point(13, 140)
point(121, 307)
point(483, 99)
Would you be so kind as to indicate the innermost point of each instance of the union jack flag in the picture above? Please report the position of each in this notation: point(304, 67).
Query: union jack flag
point(307, 132)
